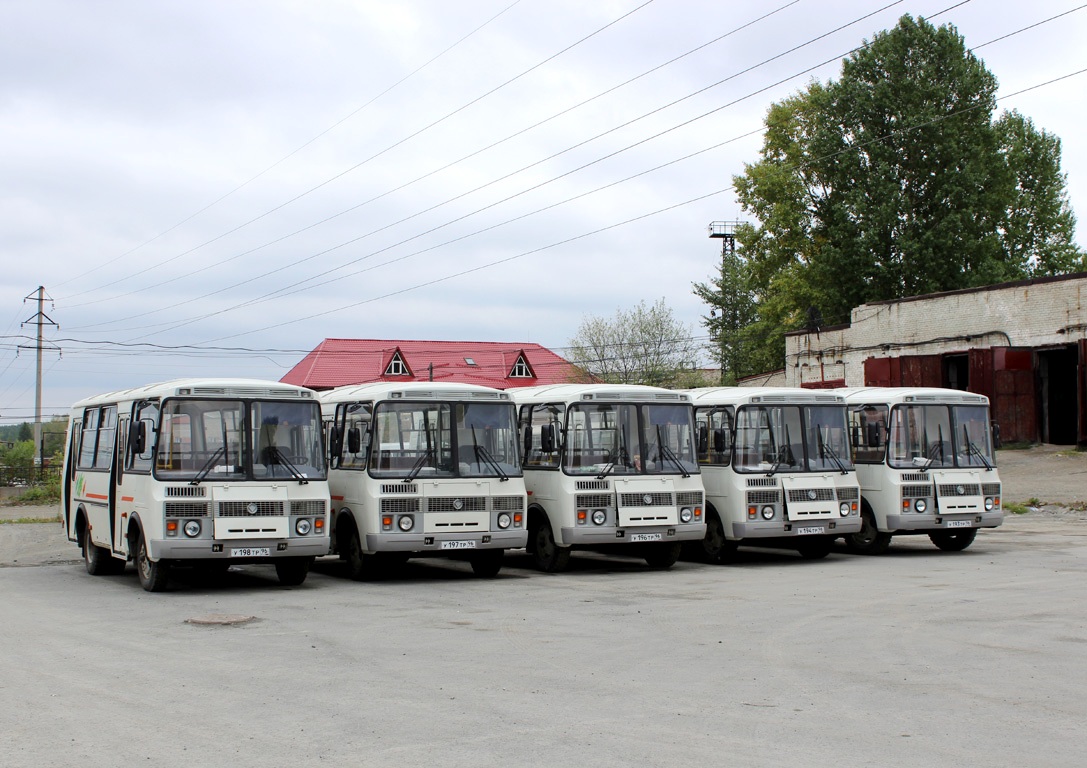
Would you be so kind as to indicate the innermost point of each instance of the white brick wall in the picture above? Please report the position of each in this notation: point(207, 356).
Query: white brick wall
point(1025, 314)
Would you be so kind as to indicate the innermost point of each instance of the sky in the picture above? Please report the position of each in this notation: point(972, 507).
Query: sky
point(213, 187)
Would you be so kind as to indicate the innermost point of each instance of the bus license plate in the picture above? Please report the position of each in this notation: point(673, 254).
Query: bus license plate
point(810, 529)
point(458, 545)
point(645, 537)
point(958, 523)
point(251, 552)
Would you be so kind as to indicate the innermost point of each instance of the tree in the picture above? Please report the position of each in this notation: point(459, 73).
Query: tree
point(645, 345)
point(733, 314)
point(895, 181)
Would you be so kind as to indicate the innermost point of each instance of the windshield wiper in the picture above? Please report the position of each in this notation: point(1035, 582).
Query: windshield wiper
point(282, 459)
point(667, 453)
point(972, 447)
point(939, 450)
point(782, 454)
point(199, 476)
point(825, 450)
point(486, 455)
point(418, 465)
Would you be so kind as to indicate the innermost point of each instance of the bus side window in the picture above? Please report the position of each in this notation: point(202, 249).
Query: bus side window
point(541, 435)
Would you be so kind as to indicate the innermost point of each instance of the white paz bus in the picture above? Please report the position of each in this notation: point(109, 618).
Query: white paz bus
point(925, 461)
point(609, 465)
point(200, 472)
point(423, 469)
point(777, 470)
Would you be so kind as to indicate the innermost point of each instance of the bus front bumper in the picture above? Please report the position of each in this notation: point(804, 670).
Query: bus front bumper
point(775, 529)
point(237, 549)
point(584, 535)
point(944, 522)
point(446, 542)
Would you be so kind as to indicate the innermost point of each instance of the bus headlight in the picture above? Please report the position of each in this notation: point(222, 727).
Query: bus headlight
point(406, 522)
point(920, 505)
point(504, 520)
point(599, 517)
point(192, 529)
point(988, 504)
point(686, 515)
point(767, 512)
point(302, 526)
point(843, 509)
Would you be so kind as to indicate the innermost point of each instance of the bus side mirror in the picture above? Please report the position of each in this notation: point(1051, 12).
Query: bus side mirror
point(703, 438)
point(527, 440)
point(354, 440)
point(547, 438)
point(875, 435)
point(719, 439)
point(138, 437)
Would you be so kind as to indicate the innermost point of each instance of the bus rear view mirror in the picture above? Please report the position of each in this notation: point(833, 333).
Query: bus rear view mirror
point(875, 434)
point(354, 440)
point(547, 438)
point(527, 440)
point(703, 438)
point(138, 437)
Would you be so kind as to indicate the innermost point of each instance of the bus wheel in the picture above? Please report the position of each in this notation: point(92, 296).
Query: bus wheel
point(662, 555)
point(548, 556)
point(153, 576)
point(868, 540)
point(815, 549)
point(715, 548)
point(954, 541)
point(292, 571)
point(98, 560)
point(487, 563)
point(360, 566)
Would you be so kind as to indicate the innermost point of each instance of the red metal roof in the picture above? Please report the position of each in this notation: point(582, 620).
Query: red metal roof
point(336, 362)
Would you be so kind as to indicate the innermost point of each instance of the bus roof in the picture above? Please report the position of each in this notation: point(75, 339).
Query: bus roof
point(778, 395)
point(895, 395)
point(411, 390)
point(569, 393)
point(249, 388)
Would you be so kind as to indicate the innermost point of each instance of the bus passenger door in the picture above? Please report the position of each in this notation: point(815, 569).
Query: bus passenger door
point(116, 475)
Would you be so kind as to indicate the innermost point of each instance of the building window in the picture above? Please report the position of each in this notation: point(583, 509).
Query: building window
point(470, 361)
point(397, 367)
point(521, 369)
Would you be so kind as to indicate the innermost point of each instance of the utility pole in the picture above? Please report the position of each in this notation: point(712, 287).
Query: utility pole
point(40, 319)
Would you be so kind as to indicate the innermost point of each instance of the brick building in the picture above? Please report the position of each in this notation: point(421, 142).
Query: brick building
point(1022, 344)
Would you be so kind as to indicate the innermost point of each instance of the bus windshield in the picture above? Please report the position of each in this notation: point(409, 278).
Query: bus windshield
point(448, 439)
point(940, 436)
point(792, 438)
point(628, 439)
point(206, 440)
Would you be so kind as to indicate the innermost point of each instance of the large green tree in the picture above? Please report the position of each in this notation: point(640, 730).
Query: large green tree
point(896, 181)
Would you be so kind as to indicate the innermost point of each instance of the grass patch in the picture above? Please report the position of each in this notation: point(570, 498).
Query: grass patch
point(1016, 445)
point(1016, 509)
point(1071, 452)
point(26, 520)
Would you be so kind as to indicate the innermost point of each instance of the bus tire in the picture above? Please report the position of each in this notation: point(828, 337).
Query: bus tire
point(487, 563)
point(547, 555)
point(715, 547)
point(869, 540)
point(292, 571)
point(154, 576)
point(360, 566)
point(815, 549)
point(954, 541)
point(97, 560)
point(663, 556)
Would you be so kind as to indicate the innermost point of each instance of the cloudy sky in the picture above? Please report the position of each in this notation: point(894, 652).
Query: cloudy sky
point(212, 187)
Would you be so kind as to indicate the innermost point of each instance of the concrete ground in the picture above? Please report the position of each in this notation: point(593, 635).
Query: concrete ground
point(914, 658)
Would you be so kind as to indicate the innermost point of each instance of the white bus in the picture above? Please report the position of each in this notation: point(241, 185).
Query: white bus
point(423, 469)
point(925, 461)
point(776, 466)
point(205, 472)
point(607, 465)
